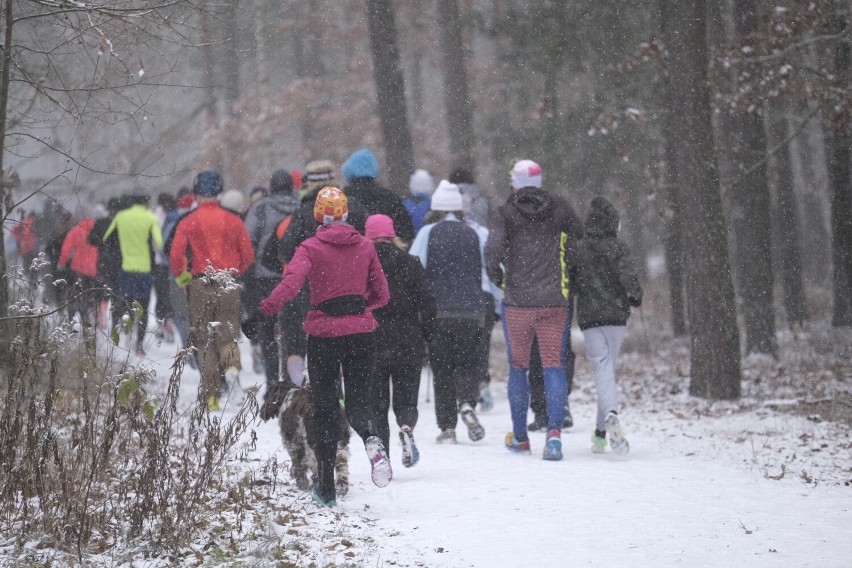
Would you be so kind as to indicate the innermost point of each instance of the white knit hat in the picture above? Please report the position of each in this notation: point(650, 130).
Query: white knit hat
point(447, 197)
point(526, 173)
point(233, 200)
point(421, 182)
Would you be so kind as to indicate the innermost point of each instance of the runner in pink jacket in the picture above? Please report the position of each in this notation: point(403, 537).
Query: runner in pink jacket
point(337, 262)
point(346, 284)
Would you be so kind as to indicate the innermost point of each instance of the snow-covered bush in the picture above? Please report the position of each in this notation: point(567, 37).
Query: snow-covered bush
point(89, 460)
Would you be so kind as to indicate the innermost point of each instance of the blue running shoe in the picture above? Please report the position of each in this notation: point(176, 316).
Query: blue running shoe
point(553, 446)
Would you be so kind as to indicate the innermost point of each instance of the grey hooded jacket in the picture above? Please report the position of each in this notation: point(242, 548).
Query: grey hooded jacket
point(261, 222)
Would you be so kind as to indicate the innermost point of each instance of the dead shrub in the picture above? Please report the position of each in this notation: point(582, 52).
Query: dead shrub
point(89, 460)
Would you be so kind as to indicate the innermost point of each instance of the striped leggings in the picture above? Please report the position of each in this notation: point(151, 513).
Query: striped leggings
point(522, 325)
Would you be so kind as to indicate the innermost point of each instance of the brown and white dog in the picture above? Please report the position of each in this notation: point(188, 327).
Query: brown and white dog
point(297, 431)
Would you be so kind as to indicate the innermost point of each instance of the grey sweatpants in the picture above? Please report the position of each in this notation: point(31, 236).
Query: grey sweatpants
point(602, 346)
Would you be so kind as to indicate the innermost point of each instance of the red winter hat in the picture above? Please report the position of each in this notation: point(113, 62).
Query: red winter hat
point(297, 180)
point(379, 226)
point(186, 201)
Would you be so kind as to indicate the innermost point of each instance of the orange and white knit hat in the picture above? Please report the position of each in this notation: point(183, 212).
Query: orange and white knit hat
point(330, 206)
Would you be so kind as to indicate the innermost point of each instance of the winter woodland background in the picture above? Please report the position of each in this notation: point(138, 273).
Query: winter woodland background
point(721, 130)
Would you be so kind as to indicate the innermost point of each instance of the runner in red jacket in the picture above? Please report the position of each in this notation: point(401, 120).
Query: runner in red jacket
point(82, 258)
point(215, 237)
point(77, 250)
point(211, 236)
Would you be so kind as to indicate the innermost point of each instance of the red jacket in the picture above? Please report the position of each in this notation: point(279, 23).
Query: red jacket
point(76, 248)
point(215, 237)
point(338, 261)
point(23, 233)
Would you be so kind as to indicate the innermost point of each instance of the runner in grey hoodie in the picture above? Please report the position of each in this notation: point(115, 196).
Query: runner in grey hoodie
point(608, 286)
point(261, 222)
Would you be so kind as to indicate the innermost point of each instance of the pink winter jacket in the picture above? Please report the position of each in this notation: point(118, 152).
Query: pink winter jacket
point(338, 261)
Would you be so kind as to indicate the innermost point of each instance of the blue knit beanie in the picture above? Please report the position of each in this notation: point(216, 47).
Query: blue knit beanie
point(362, 163)
point(208, 184)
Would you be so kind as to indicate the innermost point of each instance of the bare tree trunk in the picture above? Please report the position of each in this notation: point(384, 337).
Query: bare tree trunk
point(751, 213)
point(307, 44)
point(417, 88)
point(808, 154)
point(714, 338)
point(673, 245)
point(211, 100)
point(390, 94)
point(673, 234)
point(787, 232)
point(839, 148)
point(458, 105)
point(231, 63)
point(5, 78)
point(262, 34)
point(264, 60)
point(307, 62)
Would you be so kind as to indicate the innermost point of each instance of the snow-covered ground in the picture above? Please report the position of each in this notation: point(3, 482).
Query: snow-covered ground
point(705, 484)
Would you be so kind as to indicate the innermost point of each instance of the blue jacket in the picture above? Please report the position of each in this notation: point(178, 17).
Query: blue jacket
point(418, 205)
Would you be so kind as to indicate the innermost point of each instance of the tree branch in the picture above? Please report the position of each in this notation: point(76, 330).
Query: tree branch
point(775, 149)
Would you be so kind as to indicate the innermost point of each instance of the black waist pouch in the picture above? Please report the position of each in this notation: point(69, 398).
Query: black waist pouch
point(353, 305)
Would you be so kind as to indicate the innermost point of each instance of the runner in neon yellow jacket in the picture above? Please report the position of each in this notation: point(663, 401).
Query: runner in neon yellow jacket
point(137, 228)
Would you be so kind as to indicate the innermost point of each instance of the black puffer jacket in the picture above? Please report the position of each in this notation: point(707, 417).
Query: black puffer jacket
point(405, 323)
point(533, 236)
point(378, 199)
point(109, 252)
point(606, 279)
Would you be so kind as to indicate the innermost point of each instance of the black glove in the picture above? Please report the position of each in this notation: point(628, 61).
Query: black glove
point(426, 331)
point(251, 325)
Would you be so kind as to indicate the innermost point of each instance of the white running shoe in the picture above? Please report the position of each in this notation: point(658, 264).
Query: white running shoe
point(447, 436)
point(475, 431)
point(382, 473)
point(617, 441)
point(410, 453)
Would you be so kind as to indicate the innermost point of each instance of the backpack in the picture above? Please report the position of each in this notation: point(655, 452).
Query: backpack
point(269, 255)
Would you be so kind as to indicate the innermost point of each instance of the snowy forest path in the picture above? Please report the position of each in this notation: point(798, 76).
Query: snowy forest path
point(692, 492)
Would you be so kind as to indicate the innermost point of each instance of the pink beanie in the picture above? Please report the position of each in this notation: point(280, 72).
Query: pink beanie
point(379, 226)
